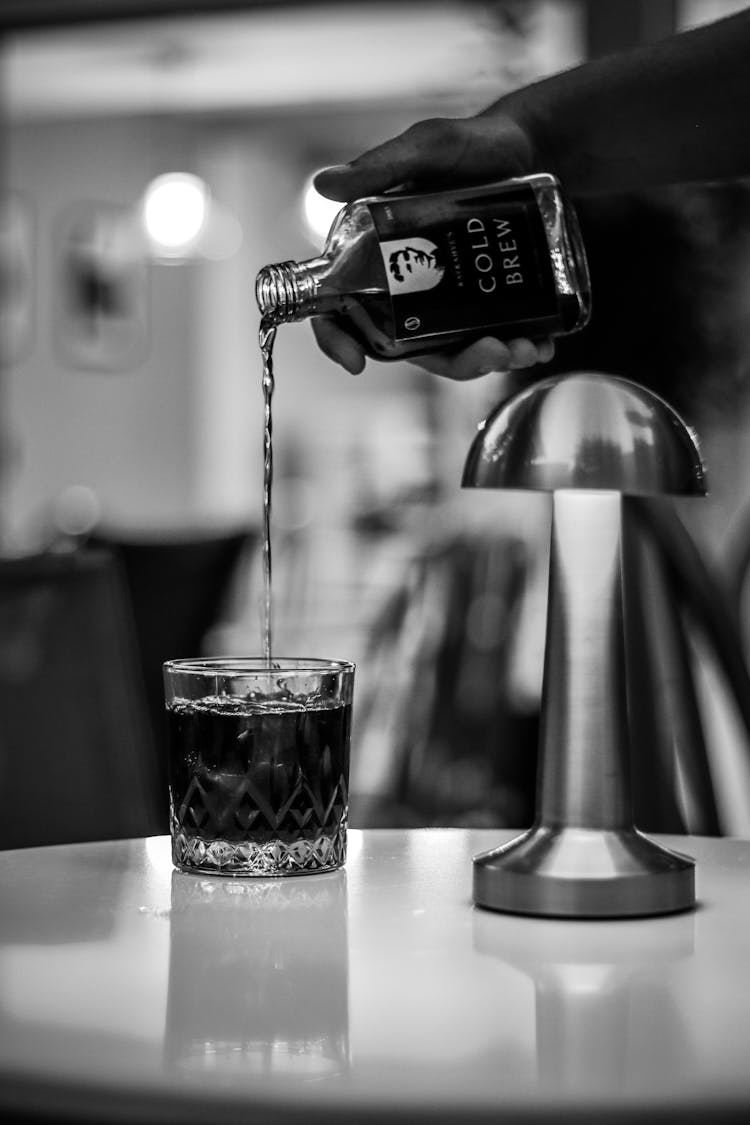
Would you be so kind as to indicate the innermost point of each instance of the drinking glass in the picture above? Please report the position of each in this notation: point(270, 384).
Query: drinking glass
point(258, 764)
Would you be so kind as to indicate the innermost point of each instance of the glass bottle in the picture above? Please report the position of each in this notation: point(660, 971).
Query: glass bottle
point(411, 273)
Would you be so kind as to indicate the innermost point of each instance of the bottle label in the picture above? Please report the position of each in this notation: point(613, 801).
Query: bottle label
point(473, 259)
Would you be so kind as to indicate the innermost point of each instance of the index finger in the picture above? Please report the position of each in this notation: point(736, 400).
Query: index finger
point(437, 151)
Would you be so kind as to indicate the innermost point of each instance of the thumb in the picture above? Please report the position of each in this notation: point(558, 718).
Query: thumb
point(437, 152)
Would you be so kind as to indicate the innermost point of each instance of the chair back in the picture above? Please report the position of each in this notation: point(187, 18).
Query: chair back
point(77, 759)
point(177, 586)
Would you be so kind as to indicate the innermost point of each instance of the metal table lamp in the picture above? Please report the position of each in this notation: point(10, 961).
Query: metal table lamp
point(589, 439)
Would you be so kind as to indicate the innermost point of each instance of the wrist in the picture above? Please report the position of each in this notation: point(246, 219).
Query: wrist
point(527, 131)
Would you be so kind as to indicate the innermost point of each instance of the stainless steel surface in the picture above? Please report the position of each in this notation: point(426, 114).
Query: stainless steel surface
point(586, 431)
point(585, 777)
point(584, 873)
point(583, 857)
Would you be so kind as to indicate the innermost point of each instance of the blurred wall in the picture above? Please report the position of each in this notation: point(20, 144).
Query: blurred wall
point(173, 438)
point(124, 433)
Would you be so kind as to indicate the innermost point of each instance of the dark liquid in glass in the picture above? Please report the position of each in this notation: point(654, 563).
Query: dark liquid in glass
point(257, 775)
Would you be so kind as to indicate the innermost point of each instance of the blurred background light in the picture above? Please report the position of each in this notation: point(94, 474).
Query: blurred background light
point(319, 212)
point(76, 510)
point(175, 208)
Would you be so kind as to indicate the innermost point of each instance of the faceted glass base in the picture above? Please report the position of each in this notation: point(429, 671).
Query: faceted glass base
point(270, 859)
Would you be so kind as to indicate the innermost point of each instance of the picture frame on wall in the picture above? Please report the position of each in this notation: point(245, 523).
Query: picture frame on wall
point(17, 237)
point(101, 320)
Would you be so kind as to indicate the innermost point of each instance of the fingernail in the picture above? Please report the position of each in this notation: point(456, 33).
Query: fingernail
point(333, 170)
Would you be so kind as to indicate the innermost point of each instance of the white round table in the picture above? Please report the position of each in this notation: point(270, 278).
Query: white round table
point(132, 992)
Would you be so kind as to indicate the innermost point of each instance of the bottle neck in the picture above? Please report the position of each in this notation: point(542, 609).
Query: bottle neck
point(288, 290)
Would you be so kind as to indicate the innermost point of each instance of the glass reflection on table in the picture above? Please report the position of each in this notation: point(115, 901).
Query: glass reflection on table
point(273, 998)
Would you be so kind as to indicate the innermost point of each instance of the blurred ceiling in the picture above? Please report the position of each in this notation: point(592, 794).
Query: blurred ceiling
point(311, 54)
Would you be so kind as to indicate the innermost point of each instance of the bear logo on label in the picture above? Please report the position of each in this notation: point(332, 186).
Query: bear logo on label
point(412, 265)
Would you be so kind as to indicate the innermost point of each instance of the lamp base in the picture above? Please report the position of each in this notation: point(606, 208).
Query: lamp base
point(584, 873)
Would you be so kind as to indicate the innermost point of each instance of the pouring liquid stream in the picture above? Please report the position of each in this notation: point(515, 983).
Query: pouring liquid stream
point(266, 337)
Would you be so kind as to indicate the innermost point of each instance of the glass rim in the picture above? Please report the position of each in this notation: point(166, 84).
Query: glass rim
point(255, 665)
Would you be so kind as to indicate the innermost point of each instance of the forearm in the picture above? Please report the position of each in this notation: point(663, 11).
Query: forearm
point(670, 112)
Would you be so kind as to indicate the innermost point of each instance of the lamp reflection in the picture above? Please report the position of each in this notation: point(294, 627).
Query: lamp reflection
point(258, 976)
point(606, 1014)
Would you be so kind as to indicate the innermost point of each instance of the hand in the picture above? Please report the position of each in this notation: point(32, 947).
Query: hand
point(441, 152)
point(479, 358)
